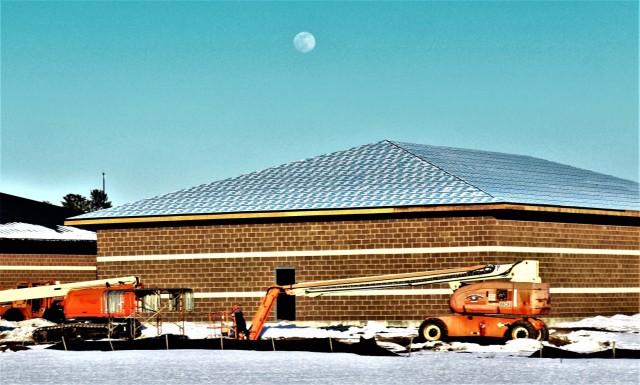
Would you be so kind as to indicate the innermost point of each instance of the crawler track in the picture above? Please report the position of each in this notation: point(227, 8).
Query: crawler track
point(86, 331)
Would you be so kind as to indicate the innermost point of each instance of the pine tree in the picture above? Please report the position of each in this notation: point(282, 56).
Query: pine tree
point(76, 202)
point(98, 201)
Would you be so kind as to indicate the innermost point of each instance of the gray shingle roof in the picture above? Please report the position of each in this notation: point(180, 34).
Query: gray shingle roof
point(393, 174)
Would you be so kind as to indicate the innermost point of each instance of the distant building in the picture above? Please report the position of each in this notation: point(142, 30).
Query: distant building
point(18, 209)
point(386, 207)
point(35, 246)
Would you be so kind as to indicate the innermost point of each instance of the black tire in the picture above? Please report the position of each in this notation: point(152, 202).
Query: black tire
point(521, 329)
point(543, 334)
point(13, 315)
point(433, 329)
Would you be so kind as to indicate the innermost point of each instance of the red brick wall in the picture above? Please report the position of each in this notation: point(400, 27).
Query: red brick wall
point(255, 274)
point(9, 278)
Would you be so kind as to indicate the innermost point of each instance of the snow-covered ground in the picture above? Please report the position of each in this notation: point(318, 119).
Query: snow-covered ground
point(432, 363)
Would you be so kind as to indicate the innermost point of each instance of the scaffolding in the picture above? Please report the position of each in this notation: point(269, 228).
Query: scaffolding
point(221, 325)
point(151, 304)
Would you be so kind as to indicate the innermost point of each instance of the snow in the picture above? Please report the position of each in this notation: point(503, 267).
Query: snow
point(17, 230)
point(428, 363)
point(617, 323)
point(249, 367)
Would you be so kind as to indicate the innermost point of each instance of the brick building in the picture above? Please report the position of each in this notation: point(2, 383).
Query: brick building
point(34, 246)
point(382, 208)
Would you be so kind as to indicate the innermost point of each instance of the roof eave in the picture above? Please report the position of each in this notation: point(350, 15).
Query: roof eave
point(99, 222)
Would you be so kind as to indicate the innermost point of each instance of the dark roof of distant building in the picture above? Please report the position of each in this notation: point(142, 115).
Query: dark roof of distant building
point(17, 209)
point(394, 174)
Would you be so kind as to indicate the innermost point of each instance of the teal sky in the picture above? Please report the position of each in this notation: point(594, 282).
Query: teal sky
point(164, 95)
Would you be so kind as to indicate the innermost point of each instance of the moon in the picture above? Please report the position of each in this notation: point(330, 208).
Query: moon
point(304, 42)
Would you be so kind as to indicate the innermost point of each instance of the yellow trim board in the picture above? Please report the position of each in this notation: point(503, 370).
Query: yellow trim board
point(206, 217)
point(342, 212)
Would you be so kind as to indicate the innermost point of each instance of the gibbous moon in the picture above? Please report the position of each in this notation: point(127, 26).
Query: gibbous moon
point(304, 42)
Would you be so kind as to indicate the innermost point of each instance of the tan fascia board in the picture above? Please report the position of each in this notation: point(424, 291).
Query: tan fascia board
point(517, 207)
point(345, 212)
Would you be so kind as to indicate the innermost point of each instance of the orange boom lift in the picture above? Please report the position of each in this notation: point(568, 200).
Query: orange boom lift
point(501, 303)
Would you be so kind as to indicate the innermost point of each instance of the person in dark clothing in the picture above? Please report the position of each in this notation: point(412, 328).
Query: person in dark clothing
point(241, 324)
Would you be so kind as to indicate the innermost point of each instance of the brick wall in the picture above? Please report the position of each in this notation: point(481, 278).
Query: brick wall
point(45, 267)
point(255, 273)
point(365, 234)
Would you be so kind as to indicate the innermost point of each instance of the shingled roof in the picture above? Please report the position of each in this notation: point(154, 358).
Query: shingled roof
point(393, 174)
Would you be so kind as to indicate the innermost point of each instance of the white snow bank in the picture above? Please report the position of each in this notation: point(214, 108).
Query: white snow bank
point(599, 333)
point(621, 330)
point(438, 363)
point(20, 331)
point(616, 323)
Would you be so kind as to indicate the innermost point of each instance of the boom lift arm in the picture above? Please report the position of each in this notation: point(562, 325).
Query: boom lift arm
point(60, 290)
point(522, 271)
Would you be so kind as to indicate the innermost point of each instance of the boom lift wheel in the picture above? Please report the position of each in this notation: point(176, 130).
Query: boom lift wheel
point(543, 334)
point(433, 329)
point(522, 329)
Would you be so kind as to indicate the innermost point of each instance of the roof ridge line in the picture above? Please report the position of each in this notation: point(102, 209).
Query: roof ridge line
point(440, 168)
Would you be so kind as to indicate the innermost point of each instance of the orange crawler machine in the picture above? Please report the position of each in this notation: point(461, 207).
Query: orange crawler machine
point(43, 299)
point(113, 311)
point(502, 305)
point(93, 309)
point(98, 302)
